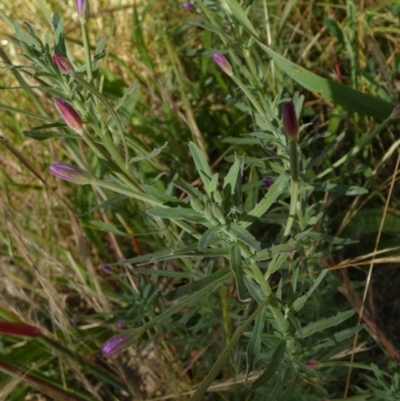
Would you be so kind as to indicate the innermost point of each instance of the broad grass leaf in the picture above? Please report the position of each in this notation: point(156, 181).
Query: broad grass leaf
point(367, 222)
point(350, 98)
point(276, 359)
point(235, 260)
point(324, 324)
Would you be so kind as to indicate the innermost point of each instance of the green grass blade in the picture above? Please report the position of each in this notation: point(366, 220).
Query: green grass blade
point(350, 98)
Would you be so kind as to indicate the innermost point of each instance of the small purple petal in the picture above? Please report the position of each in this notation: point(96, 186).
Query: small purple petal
point(82, 8)
point(188, 6)
point(223, 63)
point(121, 324)
point(106, 269)
point(74, 319)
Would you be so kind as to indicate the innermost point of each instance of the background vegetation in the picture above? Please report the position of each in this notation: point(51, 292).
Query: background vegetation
point(335, 280)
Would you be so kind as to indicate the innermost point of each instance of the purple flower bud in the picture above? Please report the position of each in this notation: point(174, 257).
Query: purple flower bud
point(71, 173)
point(223, 63)
point(74, 319)
point(396, 112)
point(188, 6)
point(116, 344)
point(289, 120)
point(69, 114)
point(82, 8)
point(63, 64)
point(121, 324)
point(106, 269)
point(268, 181)
point(19, 329)
point(313, 365)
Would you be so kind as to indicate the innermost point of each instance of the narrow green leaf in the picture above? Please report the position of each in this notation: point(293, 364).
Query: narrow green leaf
point(243, 235)
point(207, 237)
point(213, 279)
point(161, 196)
point(324, 324)
point(336, 188)
point(276, 359)
point(25, 113)
point(177, 213)
point(326, 150)
point(201, 165)
point(194, 192)
point(299, 302)
point(279, 186)
point(240, 15)
point(107, 227)
point(254, 346)
point(268, 253)
point(235, 260)
point(232, 176)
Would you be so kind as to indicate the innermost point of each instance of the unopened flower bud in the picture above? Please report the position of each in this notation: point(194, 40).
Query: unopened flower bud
point(289, 120)
point(71, 173)
point(63, 64)
point(82, 8)
point(267, 181)
point(74, 319)
point(116, 344)
point(69, 114)
point(313, 365)
point(396, 112)
point(19, 329)
point(209, 216)
point(188, 6)
point(223, 63)
point(197, 206)
point(106, 269)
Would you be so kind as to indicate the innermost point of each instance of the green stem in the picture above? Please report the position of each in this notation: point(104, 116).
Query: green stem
point(86, 46)
point(294, 173)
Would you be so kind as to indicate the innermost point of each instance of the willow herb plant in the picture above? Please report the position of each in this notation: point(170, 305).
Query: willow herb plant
point(215, 221)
